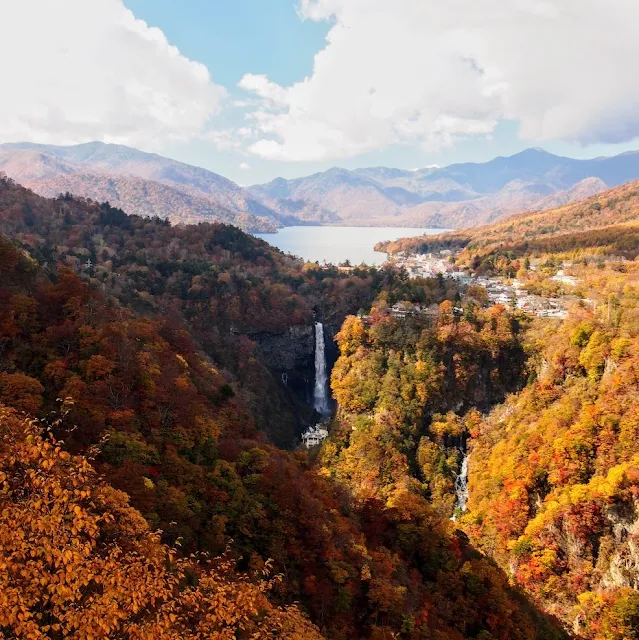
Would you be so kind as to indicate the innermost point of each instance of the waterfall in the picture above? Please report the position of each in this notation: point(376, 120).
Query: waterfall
point(320, 394)
point(461, 486)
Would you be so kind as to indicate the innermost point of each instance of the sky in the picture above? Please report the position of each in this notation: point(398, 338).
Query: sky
point(256, 89)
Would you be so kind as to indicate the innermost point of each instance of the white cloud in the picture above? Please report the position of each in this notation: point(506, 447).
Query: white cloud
point(432, 72)
point(224, 140)
point(245, 166)
point(263, 88)
point(79, 70)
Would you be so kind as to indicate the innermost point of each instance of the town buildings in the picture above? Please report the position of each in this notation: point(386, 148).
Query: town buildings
point(500, 291)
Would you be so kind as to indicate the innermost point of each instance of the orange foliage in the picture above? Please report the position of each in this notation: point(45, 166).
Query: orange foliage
point(77, 561)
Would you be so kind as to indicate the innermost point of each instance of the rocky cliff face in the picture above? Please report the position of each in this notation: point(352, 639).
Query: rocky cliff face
point(618, 559)
point(291, 356)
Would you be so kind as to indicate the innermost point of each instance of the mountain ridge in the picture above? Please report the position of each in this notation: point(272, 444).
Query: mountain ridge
point(142, 183)
point(460, 195)
point(613, 211)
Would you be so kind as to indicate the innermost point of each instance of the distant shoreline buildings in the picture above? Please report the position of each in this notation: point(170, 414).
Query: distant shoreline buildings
point(500, 291)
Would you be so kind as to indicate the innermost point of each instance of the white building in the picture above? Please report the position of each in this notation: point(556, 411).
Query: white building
point(314, 436)
point(564, 279)
point(403, 309)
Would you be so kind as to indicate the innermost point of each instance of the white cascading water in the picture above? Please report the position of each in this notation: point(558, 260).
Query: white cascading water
point(320, 394)
point(461, 486)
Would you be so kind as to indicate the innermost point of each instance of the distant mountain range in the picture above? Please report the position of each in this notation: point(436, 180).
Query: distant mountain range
point(460, 195)
point(140, 183)
point(608, 221)
point(456, 196)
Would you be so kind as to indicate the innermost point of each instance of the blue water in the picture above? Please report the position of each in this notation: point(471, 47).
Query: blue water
point(338, 244)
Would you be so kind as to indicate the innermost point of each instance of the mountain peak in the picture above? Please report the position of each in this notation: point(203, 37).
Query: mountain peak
point(138, 182)
point(535, 151)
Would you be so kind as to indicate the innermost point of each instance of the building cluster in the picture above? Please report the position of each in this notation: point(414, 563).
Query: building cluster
point(430, 265)
point(427, 265)
point(314, 436)
point(515, 296)
point(403, 310)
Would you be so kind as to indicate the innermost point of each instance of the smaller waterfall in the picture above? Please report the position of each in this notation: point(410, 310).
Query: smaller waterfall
point(461, 486)
point(320, 393)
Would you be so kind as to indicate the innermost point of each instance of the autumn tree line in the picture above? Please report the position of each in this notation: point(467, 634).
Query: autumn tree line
point(134, 444)
point(151, 499)
point(554, 470)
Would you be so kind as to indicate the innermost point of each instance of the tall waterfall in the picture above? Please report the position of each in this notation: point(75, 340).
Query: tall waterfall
point(461, 486)
point(320, 394)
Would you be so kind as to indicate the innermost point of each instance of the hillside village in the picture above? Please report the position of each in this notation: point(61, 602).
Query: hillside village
point(511, 293)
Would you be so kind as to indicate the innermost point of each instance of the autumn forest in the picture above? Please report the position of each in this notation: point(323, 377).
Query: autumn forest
point(152, 482)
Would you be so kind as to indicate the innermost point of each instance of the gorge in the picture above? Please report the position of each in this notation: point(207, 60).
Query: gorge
point(192, 358)
point(302, 336)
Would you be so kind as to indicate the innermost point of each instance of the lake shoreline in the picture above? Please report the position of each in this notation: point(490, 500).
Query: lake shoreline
point(333, 244)
point(344, 226)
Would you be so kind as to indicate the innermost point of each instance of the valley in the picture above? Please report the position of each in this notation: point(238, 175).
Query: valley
point(319, 320)
point(475, 451)
point(128, 341)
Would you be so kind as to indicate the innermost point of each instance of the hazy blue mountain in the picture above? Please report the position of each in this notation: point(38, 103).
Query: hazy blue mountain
point(537, 165)
point(463, 194)
point(139, 182)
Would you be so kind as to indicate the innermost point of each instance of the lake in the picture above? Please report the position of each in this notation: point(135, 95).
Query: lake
point(338, 244)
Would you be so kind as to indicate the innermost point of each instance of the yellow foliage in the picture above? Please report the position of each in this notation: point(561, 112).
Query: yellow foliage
point(78, 562)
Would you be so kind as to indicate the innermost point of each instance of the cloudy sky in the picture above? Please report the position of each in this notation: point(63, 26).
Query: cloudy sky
point(254, 89)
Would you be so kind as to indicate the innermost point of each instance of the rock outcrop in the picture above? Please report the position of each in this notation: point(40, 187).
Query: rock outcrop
point(290, 356)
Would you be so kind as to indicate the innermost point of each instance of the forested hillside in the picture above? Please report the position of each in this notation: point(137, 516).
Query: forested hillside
point(145, 184)
point(124, 336)
point(220, 283)
point(606, 223)
point(398, 384)
point(78, 561)
point(554, 470)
